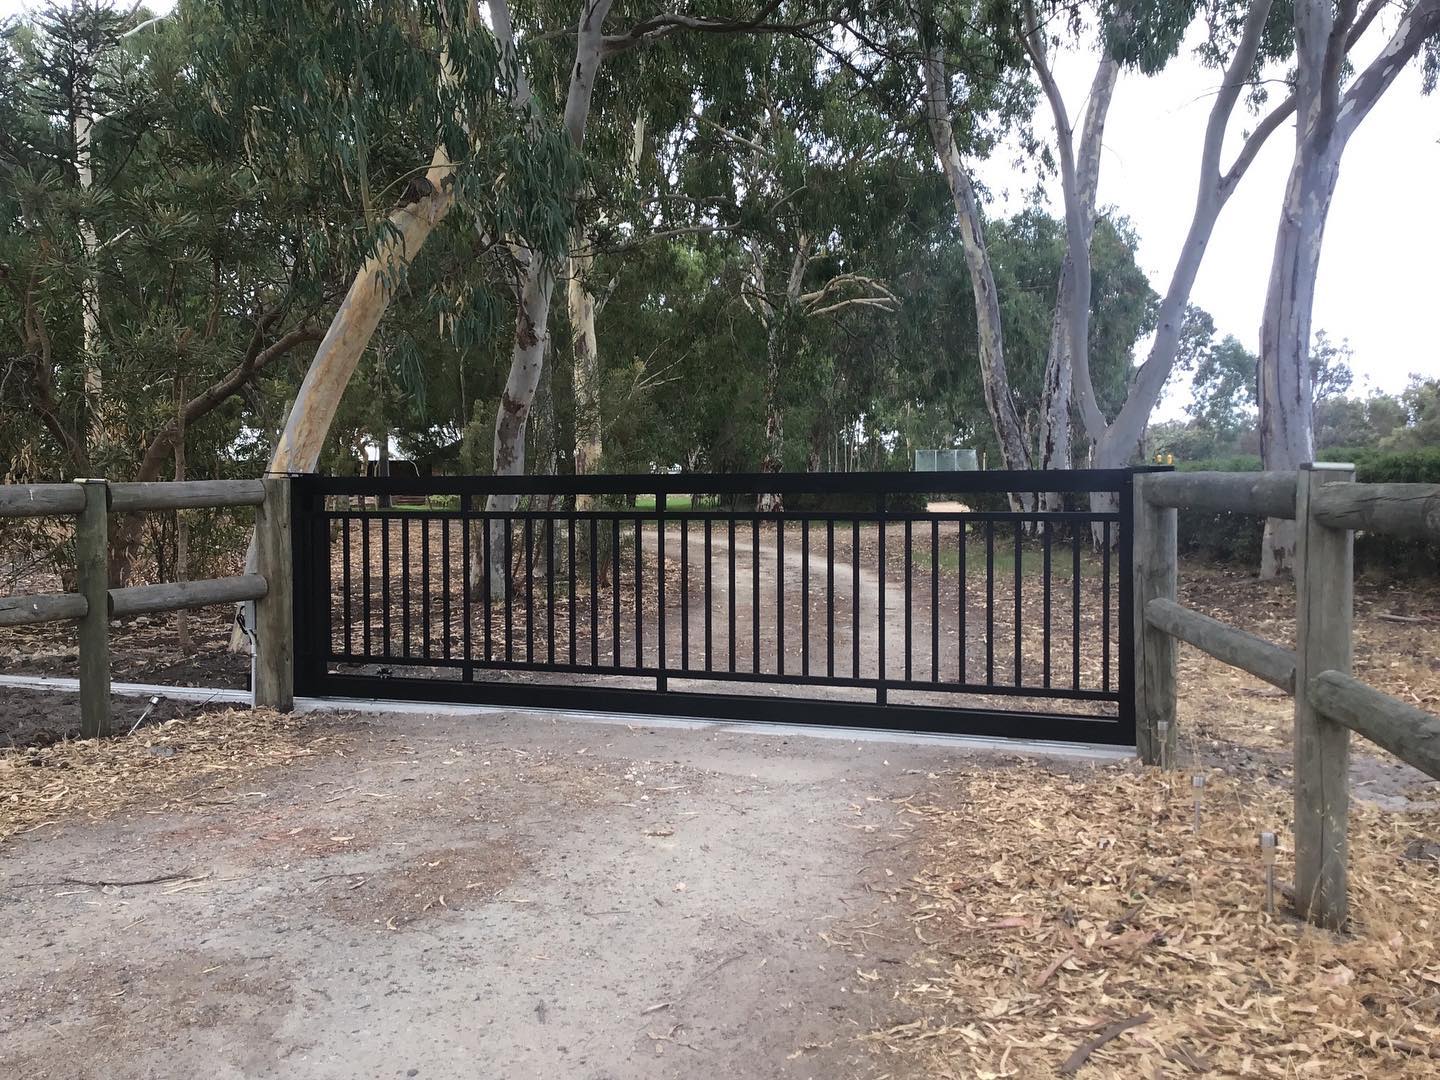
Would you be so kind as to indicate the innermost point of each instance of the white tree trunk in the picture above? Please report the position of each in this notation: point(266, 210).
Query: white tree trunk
point(994, 377)
point(585, 353)
point(1326, 117)
point(527, 356)
point(318, 399)
point(1115, 444)
point(527, 361)
point(1286, 430)
point(313, 411)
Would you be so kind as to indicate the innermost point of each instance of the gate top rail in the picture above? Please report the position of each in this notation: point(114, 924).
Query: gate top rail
point(873, 483)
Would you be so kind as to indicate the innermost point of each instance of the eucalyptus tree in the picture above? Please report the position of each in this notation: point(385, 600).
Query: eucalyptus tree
point(357, 92)
point(1331, 100)
point(194, 284)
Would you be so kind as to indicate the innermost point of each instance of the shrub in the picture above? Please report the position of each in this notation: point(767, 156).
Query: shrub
point(1236, 537)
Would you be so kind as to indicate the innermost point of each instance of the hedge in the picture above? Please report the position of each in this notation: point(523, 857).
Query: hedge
point(1236, 537)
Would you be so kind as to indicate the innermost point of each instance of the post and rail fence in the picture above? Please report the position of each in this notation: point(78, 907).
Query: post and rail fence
point(91, 503)
point(1323, 499)
point(1327, 506)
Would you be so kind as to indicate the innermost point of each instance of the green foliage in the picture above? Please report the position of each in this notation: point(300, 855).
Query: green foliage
point(1237, 537)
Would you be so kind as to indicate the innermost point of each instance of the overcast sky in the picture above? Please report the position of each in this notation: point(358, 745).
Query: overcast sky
point(1379, 281)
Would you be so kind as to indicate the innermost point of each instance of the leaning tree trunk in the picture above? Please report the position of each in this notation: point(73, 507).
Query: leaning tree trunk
point(1286, 428)
point(318, 399)
point(527, 360)
point(994, 377)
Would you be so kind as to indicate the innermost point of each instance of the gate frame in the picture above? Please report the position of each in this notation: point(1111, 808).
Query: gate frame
point(313, 623)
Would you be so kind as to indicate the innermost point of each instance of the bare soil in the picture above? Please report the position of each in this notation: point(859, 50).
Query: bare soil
point(31, 718)
point(427, 893)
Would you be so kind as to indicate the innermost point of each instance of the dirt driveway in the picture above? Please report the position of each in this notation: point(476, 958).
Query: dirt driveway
point(471, 897)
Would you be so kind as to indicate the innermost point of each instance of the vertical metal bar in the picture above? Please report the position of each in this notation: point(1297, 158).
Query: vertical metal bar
point(550, 590)
point(385, 581)
point(684, 594)
point(804, 596)
point(1045, 603)
point(487, 581)
point(830, 598)
point(345, 580)
point(855, 598)
point(880, 665)
point(639, 595)
point(425, 587)
point(732, 592)
point(1075, 608)
point(445, 583)
point(570, 580)
point(1105, 607)
point(755, 592)
point(990, 602)
point(709, 599)
point(660, 508)
point(529, 557)
point(934, 601)
point(365, 583)
point(962, 604)
point(467, 654)
point(615, 589)
point(594, 592)
point(1126, 601)
point(509, 589)
point(909, 600)
point(780, 595)
point(1019, 565)
point(404, 585)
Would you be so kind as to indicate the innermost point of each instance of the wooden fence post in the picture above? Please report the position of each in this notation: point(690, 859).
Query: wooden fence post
point(1155, 578)
point(1324, 612)
point(274, 622)
point(92, 561)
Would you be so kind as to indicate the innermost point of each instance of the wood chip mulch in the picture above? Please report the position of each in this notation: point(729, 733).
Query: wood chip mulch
point(1073, 922)
point(161, 767)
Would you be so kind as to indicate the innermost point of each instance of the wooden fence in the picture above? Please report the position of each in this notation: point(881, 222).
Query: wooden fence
point(1327, 506)
point(91, 503)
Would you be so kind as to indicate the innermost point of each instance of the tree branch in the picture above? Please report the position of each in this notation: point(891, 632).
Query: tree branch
point(1419, 24)
point(662, 26)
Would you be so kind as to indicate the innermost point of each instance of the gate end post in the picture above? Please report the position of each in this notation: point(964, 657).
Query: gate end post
point(1324, 599)
point(92, 563)
point(274, 681)
point(1156, 577)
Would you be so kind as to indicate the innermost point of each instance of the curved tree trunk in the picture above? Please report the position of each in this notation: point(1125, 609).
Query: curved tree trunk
point(1327, 114)
point(995, 379)
point(308, 424)
point(1286, 418)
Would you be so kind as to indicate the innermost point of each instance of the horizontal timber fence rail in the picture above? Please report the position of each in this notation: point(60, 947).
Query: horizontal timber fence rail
point(91, 503)
point(985, 603)
point(1327, 507)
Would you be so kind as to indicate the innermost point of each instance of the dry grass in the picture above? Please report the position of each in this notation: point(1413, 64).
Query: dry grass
point(1055, 906)
point(158, 768)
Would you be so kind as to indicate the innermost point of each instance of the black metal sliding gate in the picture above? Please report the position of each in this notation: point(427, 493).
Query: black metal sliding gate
point(915, 601)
